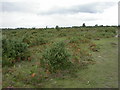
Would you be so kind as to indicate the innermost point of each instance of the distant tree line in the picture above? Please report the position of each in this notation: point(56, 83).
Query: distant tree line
point(58, 28)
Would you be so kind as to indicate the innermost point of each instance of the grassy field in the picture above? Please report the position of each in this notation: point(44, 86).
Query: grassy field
point(90, 52)
point(104, 73)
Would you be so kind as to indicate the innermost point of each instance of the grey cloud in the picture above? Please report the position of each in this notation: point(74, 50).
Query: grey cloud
point(16, 7)
point(86, 8)
point(96, 7)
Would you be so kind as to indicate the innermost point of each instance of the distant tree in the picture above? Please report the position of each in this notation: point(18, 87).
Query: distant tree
point(33, 28)
point(84, 25)
point(46, 28)
point(96, 25)
point(101, 25)
point(57, 28)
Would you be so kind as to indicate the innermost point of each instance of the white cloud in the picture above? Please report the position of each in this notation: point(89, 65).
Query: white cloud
point(21, 13)
point(85, 8)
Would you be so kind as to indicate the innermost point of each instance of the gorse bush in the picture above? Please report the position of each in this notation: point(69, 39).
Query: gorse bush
point(62, 34)
point(79, 40)
point(56, 58)
point(13, 50)
point(41, 41)
point(74, 40)
point(105, 34)
point(34, 41)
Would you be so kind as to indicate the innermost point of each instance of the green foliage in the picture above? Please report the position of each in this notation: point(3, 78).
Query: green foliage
point(34, 41)
point(62, 34)
point(74, 40)
point(105, 34)
point(13, 50)
point(89, 36)
point(41, 41)
point(84, 44)
point(56, 58)
point(79, 40)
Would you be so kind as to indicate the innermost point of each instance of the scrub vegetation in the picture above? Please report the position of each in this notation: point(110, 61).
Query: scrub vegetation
point(76, 57)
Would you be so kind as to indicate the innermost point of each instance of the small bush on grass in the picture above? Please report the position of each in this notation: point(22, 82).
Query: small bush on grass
point(79, 40)
point(27, 40)
point(74, 40)
point(61, 34)
point(40, 41)
point(13, 50)
point(89, 36)
point(56, 58)
point(34, 41)
point(105, 34)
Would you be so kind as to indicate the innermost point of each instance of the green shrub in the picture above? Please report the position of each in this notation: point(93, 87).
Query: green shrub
point(26, 40)
point(89, 36)
point(74, 40)
point(34, 41)
point(110, 30)
point(56, 58)
point(80, 39)
point(61, 34)
point(105, 34)
point(40, 41)
point(13, 50)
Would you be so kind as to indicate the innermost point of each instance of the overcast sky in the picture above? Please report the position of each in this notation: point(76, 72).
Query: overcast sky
point(42, 13)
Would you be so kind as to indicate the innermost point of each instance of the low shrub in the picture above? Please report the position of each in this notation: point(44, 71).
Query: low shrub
point(61, 34)
point(34, 41)
point(105, 34)
point(74, 40)
point(13, 50)
point(79, 40)
point(27, 40)
point(89, 36)
point(56, 58)
point(40, 41)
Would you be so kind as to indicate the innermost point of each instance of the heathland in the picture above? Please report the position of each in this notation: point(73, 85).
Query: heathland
point(77, 57)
